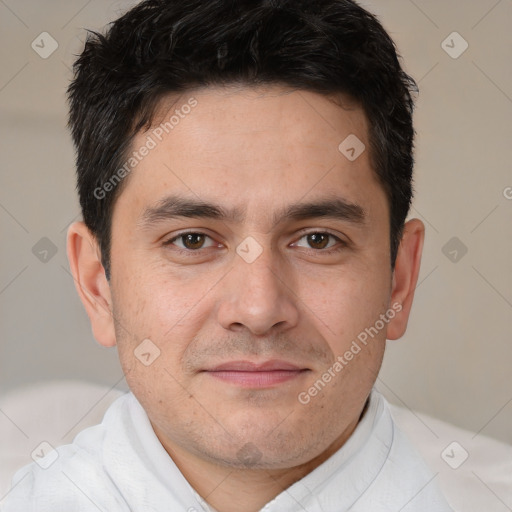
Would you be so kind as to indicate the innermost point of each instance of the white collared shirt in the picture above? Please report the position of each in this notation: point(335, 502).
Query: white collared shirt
point(121, 466)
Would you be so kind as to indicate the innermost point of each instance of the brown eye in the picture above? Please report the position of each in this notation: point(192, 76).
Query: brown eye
point(318, 240)
point(191, 241)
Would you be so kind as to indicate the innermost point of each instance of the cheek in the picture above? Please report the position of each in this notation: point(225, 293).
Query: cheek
point(166, 309)
point(156, 317)
point(345, 305)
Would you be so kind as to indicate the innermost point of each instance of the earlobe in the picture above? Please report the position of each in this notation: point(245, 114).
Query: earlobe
point(405, 276)
point(90, 281)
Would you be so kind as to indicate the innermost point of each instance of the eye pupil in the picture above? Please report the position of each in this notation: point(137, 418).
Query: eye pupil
point(318, 240)
point(193, 240)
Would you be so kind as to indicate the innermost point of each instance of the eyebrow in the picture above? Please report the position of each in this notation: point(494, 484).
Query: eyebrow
point(174, 206)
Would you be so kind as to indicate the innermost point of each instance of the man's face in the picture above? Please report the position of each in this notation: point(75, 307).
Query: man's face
point(250, 310)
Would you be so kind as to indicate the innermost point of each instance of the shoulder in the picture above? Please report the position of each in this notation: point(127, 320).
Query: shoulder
point(70, 477)
point(405, 482)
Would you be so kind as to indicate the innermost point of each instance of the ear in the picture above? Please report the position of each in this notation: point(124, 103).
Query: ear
point(405, 276)
point(91, 283)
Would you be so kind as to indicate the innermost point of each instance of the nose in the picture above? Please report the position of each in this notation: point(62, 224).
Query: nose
point(258, 296)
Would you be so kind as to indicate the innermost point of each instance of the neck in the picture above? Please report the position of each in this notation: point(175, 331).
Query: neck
point(229, 489)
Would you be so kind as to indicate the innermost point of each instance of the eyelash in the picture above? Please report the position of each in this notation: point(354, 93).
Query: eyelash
point(340, 246)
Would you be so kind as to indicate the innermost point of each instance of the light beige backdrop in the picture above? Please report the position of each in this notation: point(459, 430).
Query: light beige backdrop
point(455, 361)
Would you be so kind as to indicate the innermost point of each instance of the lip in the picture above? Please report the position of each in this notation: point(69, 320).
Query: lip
point(248, 374)
point(250, 366)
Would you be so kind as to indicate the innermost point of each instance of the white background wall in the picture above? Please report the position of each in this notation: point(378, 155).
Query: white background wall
point(455, 361)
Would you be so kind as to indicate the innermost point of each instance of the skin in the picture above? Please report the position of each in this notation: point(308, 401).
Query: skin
point(258, 150)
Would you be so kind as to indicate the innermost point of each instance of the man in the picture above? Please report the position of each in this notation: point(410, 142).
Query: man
point(244, 172)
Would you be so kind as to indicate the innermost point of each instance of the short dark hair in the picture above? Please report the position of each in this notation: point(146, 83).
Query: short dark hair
point(161, 47)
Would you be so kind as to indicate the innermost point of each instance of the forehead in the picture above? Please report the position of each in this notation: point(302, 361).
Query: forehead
point(244, 146)
point(289, 115)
